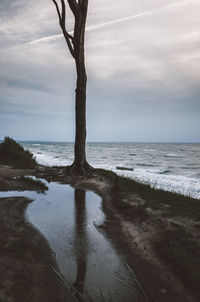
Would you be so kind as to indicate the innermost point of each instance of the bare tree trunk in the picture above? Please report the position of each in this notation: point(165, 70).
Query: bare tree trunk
point(80, 164)
point(80, 109)
point(75, 44)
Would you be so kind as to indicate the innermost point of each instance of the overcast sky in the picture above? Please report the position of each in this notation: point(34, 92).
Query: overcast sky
point(143, 66)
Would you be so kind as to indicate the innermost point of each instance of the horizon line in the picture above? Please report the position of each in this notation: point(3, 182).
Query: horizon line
point(88, 142)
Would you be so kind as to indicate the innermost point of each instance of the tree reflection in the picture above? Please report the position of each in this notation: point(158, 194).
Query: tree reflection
point(81, 245)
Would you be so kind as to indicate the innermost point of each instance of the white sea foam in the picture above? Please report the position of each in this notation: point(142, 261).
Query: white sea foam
point(173, 183)
point(170, 167)
point(49, 160)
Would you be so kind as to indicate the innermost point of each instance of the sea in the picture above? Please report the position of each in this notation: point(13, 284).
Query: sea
point(167, 166)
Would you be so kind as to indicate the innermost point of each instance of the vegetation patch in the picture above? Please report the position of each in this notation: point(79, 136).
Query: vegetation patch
point(33, 183)
point(12, 153)
point(174, 219)
point(22, 183)
point(171, 204)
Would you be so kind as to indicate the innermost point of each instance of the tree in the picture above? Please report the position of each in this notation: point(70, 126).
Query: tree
point(75, 43)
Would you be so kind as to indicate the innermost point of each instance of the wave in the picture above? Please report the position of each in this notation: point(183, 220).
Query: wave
point(166, 178)
point(49, 159)
point(172, 155)
point(158, 171)
point(165, 171)
point(145, 165)
point(173, 183)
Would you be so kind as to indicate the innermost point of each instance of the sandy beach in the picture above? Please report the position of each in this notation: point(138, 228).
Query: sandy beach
point(157, 231)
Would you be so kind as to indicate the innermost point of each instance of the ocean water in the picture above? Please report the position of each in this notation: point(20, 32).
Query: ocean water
point(167, 166)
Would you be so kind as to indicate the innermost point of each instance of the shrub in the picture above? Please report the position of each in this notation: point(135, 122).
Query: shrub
point(37, 183)
point(12, 153)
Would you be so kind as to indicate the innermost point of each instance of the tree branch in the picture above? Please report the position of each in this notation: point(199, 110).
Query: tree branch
point(69, 43)
point(63, 12)
point(58, 11)
point(74, 7)
point(68, 38)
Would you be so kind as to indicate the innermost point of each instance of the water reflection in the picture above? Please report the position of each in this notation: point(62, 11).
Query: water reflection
point(85, 257)
point(81, 240)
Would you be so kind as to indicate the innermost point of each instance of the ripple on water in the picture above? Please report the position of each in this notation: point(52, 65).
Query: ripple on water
point(69, 219)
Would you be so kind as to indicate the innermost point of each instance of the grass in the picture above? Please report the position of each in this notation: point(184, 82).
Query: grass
point(22, 183)
point(33, 183)
point(171, 203)
point(176, 244)
point(12, 153)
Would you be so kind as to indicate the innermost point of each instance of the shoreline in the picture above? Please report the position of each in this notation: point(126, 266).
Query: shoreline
point(27, 265)
point(140, 225)
point(135, 238)
point(171, 168)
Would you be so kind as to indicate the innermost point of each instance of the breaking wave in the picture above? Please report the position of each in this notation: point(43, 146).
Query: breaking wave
point(170, 167)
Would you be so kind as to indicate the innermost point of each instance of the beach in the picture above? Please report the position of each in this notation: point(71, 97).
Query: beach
point(168, 166)
point(157, 232)
point(28, 268)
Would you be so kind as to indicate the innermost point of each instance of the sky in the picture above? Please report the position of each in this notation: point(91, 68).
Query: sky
point(143, 68)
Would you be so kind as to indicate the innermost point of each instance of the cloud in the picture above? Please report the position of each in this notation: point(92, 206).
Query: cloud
point(102, 25)
point(142, 57)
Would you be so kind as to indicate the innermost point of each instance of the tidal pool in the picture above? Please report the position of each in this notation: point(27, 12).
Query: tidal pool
point(70, 219)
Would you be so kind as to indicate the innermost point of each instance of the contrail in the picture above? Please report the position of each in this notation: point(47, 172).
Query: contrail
point(94, 27)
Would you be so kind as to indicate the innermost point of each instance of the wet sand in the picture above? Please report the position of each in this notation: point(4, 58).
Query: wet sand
point(27, 267)
point(136, 237)
point(72, 221)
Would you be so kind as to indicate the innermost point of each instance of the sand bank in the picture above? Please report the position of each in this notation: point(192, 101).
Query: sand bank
point(157, 231)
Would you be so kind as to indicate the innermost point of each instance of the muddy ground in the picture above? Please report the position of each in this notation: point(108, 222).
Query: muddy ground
point(157, 231)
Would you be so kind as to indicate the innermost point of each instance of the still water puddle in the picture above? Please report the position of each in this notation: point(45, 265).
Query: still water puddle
point(87, 260)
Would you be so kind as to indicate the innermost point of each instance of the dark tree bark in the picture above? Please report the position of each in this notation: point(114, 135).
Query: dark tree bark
point(75, 44)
